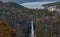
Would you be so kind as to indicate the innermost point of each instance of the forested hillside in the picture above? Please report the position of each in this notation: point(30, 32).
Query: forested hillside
point(46, 24)
point(6, 30)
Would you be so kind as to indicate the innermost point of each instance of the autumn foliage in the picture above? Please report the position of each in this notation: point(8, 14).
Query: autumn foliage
point(6, 30)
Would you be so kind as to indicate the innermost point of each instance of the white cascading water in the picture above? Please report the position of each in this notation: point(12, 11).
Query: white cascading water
point(32, 29)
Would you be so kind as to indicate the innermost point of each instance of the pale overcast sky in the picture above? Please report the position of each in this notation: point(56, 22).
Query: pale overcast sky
point(29, 0)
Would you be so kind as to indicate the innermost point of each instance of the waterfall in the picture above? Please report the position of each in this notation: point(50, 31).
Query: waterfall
point(32, 29)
